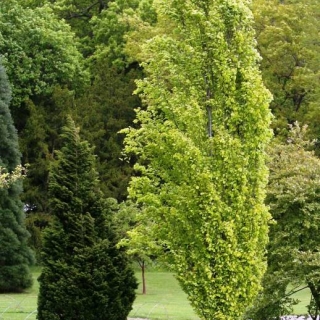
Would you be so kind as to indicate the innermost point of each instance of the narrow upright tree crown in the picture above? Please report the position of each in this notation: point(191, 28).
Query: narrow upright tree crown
point(201, 152)
point(84, 275)
point(15, 256)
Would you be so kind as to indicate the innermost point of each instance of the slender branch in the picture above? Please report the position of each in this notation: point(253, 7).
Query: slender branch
point(85, 13)
point(293, 292)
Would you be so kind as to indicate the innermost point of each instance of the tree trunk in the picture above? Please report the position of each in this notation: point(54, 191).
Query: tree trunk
point(144, 288)
point(143, 267)
point(315, 291)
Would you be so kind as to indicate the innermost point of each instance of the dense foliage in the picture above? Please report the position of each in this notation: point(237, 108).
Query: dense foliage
point(293, 253)
point(287, 35)
point(15, 256)
point(111, 109)
point(43, 64)
point(7, 178)
point(38, 51)
point(84, 275)
point(81, 57)
point(200, 148)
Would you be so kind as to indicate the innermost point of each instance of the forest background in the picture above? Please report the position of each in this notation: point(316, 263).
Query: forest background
point(78, 58)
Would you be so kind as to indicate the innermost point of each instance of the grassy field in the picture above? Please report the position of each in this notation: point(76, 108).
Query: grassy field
point(304, 297)
point(20, 306)
point(164, 300)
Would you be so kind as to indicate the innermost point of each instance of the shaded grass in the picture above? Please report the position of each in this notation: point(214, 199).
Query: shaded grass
point(164, 300)
point(21, 306)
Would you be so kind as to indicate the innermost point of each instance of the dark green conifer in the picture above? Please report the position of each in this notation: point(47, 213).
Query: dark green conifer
point(84, 275)
point(15, 256)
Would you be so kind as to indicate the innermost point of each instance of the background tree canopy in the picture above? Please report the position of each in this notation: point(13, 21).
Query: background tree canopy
point(39, 51)
point(287, 35)
point(293, 251)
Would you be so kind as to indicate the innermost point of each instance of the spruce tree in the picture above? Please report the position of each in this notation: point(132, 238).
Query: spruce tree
point(84, 275)
point(15, 256)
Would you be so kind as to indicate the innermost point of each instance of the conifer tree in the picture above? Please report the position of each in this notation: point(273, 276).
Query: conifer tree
point(15, 256)
point(84, 275)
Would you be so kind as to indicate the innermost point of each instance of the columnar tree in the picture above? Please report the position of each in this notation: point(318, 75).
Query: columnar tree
point(201, 152)
point(84, 275)
point(15, 256)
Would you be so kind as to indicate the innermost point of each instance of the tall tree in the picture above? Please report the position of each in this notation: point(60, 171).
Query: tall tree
point(38, 140)
point(84, 275)
point(201, 152)
point(15, 256)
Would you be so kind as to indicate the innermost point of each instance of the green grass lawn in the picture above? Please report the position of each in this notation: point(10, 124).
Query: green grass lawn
point(304, 297)
point(20, 306)
point(164, 300)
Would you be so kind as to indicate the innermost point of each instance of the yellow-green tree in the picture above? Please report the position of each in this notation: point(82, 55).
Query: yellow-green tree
point(201, 152)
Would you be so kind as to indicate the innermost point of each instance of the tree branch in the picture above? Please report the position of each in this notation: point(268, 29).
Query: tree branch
point(85, 13)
